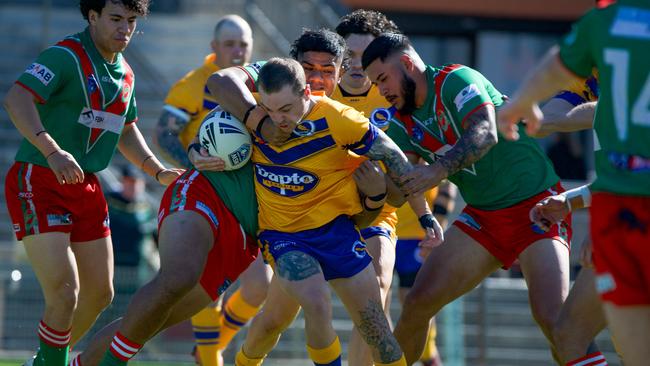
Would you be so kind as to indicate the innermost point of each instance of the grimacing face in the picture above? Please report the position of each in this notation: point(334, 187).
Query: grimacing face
point(354, 77)
point(322, 70)
point(112, 28)
point(393, 83)
point(285, 107)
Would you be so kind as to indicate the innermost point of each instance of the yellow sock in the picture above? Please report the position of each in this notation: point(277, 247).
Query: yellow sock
point(328, 356)
point(242, 360)
point(206, 326)
point(430, 349)
point(400, 362)
point(237, 312)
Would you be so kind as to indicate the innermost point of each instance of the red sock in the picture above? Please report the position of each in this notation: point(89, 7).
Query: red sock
point(53, 338)
point(122, 348)
point(592, 359)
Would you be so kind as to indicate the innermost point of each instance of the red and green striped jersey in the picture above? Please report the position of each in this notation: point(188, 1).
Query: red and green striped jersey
point(510, 172)
point(616, 41)
point(84, 101)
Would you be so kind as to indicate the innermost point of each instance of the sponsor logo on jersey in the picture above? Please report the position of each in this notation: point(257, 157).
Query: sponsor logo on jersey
point(238, 156)
point(105, 121)
point(359, 249)
point(468, 93)
point(206, 210)
point(605, 283)
point(631, 22)
point(126, 92)
point(16, 227)
point(92, 84)
point(41, 72)
point(59, 219)
point(305, 128)
point(282, 244)
point(107, 221)
point(381, 117)
point(26, 195)
point(285, 181)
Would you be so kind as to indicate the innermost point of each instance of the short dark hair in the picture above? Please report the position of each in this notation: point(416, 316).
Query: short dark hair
point(141, 7)
point(279, 72)
point(321, 40)
point(384, 46)
point(362, 21)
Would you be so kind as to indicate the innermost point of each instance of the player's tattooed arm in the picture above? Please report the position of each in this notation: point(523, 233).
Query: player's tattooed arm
point(385, 149)
point(172, 121)
point(374, 328)
point(479, 137)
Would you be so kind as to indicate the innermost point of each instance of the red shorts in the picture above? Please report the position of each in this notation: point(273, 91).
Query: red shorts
point(232, 250)
point(620, 232)
point(38, 204)
point(507, 232)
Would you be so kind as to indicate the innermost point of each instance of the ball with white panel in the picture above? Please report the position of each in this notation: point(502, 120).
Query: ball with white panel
point(224, 136)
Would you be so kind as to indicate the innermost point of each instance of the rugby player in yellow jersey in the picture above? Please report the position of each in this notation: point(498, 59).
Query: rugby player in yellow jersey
point(305, 252)
point(354, 89)
point(187, 103)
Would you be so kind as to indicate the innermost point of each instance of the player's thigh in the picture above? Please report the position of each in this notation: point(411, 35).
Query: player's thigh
point(545, 265)
point(359, 294)
point(300, 276)
point(382, 251)
point(451, 269)
point(52, 261)
point(95, 264)
point(255, 280)
point(582, 311)
point(630, 327)
point(184, 241)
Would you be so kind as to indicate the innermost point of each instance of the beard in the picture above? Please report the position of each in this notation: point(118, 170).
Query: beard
point(408, 94)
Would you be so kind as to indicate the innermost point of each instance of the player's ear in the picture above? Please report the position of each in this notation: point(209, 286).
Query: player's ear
point(92, 16)
point(307, 91)
point(407, 62)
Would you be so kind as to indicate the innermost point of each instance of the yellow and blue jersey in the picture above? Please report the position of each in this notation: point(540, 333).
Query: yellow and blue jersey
point(307, 182)
point(379, 112)
point(581, 91)
point(191, 95)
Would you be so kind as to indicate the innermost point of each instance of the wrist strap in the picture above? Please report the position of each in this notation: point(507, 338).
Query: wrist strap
point(377, 198)
point(50, 154)
point(365, 206)
point(158, 173)
point(145, 160)
point(426, 221)
point(40, 132)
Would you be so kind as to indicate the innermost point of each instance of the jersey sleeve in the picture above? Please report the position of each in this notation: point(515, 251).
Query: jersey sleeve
point(48, 73)
point(351, 130)
point(463, 92)
point(253, 72)
point(397, 132)
point(186, 96)
point(575, 48)
point(132, 111)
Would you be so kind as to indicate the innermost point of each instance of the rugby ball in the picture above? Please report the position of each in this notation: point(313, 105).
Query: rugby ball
point(223, 136)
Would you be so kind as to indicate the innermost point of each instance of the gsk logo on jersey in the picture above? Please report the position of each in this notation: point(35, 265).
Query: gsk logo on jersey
point(285, 181)
point(468, 93)
point(381, 117)
point(41, 72)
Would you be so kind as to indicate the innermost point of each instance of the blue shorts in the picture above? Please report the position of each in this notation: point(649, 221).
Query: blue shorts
point(407, 261)
point(371, 231)
point(337, 246)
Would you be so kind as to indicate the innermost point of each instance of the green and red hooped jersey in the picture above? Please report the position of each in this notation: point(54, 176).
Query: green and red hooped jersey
point(616, 41)
point(510, 172)
point(84, 101)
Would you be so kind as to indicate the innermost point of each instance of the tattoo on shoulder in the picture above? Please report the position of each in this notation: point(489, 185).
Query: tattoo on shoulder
point(476, 141)
point(296, 266)
point(375, 330)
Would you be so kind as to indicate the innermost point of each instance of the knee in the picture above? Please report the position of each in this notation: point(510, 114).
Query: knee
point(64, 297)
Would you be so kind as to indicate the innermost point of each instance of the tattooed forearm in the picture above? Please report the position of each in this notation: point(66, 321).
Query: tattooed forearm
point(478, 138)
point(167, 130)
point(389, 153)
point(296, 266)
point(374, 328)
